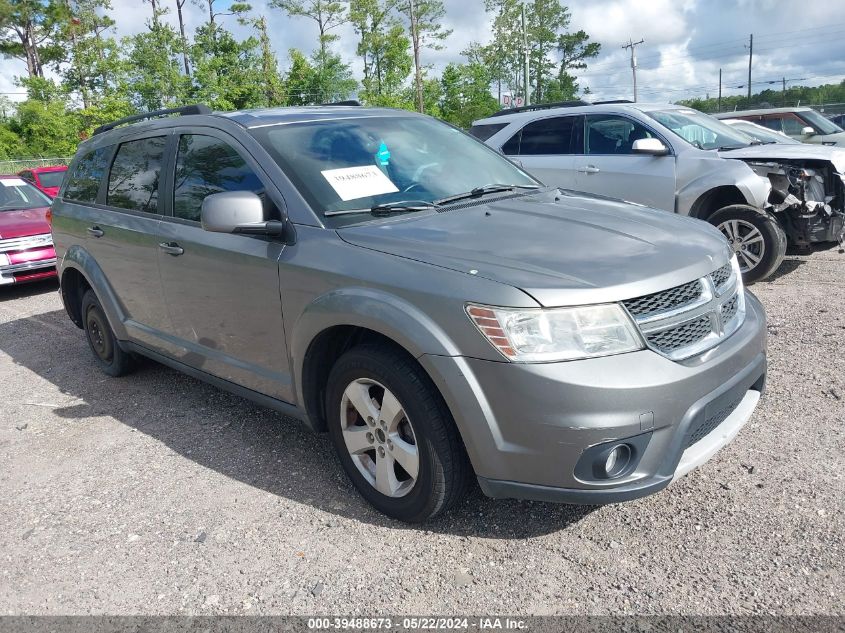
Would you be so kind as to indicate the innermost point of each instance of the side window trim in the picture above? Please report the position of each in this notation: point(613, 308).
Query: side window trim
point(223, 136)
point(104, 185)
point(104, 181)
point(630, 119)
point(546, 118)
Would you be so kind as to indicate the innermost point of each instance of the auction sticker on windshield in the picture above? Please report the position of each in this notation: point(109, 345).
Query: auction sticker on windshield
point(12, 182)
point(350, 183)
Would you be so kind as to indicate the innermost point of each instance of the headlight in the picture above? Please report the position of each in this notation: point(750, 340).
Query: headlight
point(537, 335)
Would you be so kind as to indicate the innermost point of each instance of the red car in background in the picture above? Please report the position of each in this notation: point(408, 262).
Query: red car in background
point(47, 179)
point(26, 245)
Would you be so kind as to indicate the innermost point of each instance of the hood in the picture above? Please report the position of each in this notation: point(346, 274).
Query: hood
point(804, 151)
point(23, 223)
point(562, 248)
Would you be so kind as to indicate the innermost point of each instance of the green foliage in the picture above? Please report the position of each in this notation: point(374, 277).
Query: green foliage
point(102, 79)
point(772, 98)
point(226, 72)
point(466, 94)
point(151, 76)
point(383, 46)
point(425, 27)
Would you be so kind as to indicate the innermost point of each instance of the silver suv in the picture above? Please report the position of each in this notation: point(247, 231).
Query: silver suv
point(677, 159)
point(388, 279)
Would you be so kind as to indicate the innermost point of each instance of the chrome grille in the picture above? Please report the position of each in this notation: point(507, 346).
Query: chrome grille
point(691, 318)
point(684, 335)
point(729, 308)
point(722, 276)
point(666, 300)
point(12, 244)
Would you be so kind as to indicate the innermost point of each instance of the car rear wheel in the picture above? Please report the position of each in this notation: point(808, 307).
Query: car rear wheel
point(101, 339)
point(394, 434)
point(757, 239)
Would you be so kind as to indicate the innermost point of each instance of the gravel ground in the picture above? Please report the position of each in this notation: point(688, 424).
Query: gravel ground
point(158, 494)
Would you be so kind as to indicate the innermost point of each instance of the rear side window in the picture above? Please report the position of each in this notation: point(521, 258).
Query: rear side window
point(84, 182)
point(546, 137)
point(135, 172)
point(206, 165)
point(485, 131)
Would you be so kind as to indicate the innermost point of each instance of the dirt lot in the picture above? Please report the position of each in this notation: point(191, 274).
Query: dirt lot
point(156, 493)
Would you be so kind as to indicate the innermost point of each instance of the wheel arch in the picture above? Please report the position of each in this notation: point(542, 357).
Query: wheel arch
point(716, 198)
point(79, 271)
point(338, 321)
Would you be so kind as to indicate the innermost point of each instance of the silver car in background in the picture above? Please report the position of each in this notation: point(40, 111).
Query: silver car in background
point(677, 159)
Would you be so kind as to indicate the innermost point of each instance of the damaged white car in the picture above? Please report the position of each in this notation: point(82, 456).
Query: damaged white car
point(762, 196)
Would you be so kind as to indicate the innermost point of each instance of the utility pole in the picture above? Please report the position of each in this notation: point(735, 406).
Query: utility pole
point(750, 54)
point(783, 93)
point(719, 106)
point(632, 45)
point(525, 50)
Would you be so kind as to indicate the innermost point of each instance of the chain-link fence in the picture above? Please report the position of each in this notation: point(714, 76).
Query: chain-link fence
point(14, 166)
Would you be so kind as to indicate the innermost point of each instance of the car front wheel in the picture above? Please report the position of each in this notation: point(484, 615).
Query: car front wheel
point(394, 434)
point(757, 239)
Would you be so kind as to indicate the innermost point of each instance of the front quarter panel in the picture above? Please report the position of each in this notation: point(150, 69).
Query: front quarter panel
point(328, 282)
point(698, 174)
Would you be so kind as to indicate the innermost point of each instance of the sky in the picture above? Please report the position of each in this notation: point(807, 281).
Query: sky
point(686, 42)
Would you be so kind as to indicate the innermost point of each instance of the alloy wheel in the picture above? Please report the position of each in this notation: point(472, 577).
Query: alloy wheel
point(379, 437)
point(746, 241)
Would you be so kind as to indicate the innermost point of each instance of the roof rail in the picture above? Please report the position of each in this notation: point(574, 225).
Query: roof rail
point(183, 110)
point(348, 102)
point(542, 106)
point(612, 101)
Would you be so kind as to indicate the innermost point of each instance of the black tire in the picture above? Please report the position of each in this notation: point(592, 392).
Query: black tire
point(444, 471)
point(101, 339)
point(774, 239)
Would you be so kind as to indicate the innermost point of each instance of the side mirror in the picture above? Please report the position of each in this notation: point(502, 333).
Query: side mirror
point(237, 212)
point(652, 146)
point(807, 131)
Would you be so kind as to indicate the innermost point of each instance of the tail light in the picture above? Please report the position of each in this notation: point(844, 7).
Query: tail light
point(49, 217)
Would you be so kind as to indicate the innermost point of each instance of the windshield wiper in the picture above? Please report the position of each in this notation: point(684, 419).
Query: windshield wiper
point(727, 148)
point(386, 208)
point(483, 191)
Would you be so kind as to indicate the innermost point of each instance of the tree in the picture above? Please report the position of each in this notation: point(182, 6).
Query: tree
point(180, 4)
point(151, 77)
point(28, 31)
point(270, 79)
point(383, 46)
point(328, 14)
point(226, 72)
point(574, 50)
point(466, 94)
point(91, 57)
point(425, 26)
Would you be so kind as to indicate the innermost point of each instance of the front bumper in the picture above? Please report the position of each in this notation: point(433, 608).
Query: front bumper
point(32, 264)
point(526, 426)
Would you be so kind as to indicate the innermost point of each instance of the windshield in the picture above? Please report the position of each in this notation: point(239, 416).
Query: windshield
point(51, 178)
point(700, 130)
point(15, 195)
point(819, 122)
point(360, 162)
point(764, 134)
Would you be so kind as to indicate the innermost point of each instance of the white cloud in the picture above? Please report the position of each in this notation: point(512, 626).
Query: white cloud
point(686, 42)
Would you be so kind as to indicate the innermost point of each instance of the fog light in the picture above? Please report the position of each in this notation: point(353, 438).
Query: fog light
point(617, 460)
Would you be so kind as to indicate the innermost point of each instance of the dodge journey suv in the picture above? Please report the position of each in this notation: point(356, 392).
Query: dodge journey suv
point(388, 279)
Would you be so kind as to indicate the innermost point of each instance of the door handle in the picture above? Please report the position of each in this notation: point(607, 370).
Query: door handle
point(96, 231)
point(171, 248)
point(589, 169)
